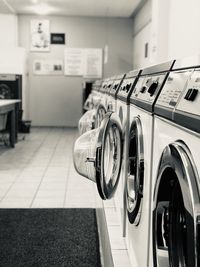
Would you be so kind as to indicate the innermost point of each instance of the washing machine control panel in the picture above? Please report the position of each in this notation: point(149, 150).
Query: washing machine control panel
point(116, 84)
point(148, 89)
point(109, 86)
point(173, 88)
point(104, 86)
point(128, 85)
point(190, 99)
point(187, 111)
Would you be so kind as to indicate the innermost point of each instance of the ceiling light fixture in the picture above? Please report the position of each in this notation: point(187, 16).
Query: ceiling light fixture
point(42, 9)
point(34, 1)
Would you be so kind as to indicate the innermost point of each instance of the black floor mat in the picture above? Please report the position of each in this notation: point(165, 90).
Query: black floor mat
point(49, 238)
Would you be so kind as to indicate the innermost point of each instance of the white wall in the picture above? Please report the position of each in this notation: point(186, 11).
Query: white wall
point(139, 41)
point(184, 36)
point(142, 35)
point(57, 100)
point(160, 31)
point(8, 30)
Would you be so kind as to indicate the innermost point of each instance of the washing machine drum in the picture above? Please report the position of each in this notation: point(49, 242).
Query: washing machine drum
point(176, 216)
point(135, 178)
point(5, 92)
point(98, 155)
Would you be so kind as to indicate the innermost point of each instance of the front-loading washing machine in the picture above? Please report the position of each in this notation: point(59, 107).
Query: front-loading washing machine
point(88, 105)
point(98, 153)
point(102, 106)
point(92, 118)
point(175, 222)
point(138, 160)
point(112, 95)
point(122, 111)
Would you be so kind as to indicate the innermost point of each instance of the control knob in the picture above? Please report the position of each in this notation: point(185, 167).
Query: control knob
point(191, 94)
point(143, 89)
point(128, 87)
point(152, 88)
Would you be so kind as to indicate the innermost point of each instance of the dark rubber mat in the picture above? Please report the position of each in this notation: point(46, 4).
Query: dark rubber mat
point(49, 238)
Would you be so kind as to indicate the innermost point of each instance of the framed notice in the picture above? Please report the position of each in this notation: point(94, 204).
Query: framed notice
point(40, 36)
point(58, 38)
point(48, 67)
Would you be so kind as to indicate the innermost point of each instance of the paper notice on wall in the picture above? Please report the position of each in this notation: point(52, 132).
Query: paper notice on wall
point(74, 61)
point(93, 63)
point(85, 62)
point(48, 67)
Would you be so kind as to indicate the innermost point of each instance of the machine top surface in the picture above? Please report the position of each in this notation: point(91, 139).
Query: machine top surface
point(187, 62)
point(162, 67)
point(128, 85)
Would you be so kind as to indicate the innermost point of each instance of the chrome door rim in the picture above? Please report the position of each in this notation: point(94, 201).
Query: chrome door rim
point(109, 148)
point(135, 175)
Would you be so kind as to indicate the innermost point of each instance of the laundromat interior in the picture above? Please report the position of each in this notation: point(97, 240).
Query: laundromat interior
point(99, 133)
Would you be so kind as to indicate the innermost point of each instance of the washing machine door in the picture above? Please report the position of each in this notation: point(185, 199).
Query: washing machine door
point(98, 155)
point(100, 114)
point(176, 213)
point(87, 121)
point(5, 91)
point(88, 103)
point(135, 178)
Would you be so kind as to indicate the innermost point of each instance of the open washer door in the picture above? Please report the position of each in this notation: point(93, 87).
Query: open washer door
point(135, 177)
point(98, 155)
point(99, 116)
point(176, 217)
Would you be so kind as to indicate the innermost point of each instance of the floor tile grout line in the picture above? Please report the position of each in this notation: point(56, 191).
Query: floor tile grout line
point(67, 182)
point(17, 177)
point(37, 190)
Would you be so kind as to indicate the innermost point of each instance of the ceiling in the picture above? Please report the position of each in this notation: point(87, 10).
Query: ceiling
point(101, 8)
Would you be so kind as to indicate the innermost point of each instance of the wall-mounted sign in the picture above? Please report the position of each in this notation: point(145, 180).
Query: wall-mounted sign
point(40, 36)
point(93, 63)
point(47, 67)
point(57, 38)
point(74, 63)
point(85, 62)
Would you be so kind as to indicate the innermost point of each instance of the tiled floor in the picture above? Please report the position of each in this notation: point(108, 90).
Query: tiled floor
point(39, 173)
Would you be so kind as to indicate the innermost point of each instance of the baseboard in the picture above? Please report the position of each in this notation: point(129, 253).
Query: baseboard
point(104, 241)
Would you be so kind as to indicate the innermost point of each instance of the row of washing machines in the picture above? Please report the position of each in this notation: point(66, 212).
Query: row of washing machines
point(140, 143)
